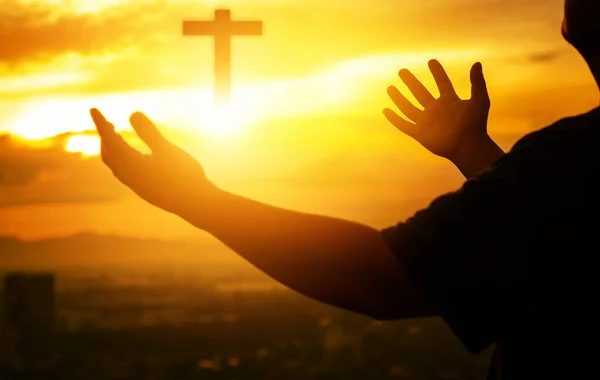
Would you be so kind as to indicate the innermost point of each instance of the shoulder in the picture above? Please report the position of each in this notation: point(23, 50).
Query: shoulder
point(564, 132)
point(569, 141)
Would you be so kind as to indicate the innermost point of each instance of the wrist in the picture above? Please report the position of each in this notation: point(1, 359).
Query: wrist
point(203, 208)
point(475, 154)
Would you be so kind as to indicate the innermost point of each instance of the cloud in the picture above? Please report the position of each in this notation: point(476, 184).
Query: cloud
point(546, 56)
point(538, 57)
point(40, 32)
point(20, 166)
point(147, 35)
point(49, 174)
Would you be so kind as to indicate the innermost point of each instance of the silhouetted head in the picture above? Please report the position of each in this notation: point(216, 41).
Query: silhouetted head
point(581, 27)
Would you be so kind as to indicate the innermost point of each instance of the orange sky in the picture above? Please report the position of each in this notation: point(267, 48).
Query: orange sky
point(307, 130)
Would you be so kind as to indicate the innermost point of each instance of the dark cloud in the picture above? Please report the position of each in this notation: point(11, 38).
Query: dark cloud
point(13, 172)
point(39, 32)
point(20, 166)
point(500, 8)
point(30, 175)
point(540, 57)
point(546, 56)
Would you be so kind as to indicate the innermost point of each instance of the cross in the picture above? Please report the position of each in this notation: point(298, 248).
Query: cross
point(222, 28)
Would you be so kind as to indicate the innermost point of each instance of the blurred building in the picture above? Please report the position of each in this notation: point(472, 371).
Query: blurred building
point(28, 319)
point(341, 348)
point(4, 345)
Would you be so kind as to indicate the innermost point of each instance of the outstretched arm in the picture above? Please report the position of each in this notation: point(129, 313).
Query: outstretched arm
point(338, 262)
point(335, 261)
point(448, 126)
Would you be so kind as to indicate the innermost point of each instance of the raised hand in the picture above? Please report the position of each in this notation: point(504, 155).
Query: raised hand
point(448, 126)
point(168, 178)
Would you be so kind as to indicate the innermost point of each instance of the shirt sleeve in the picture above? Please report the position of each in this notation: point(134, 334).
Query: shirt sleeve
point(472, 252)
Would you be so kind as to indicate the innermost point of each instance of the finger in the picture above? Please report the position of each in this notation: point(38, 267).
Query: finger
point(419, 91)
point(479, 91)
point(112, 142)
point(110, 138)
point(117, 143)
point(399, 122)
point(117, 154)
point(102, 125)
point(441, 79)
point(126, 167)
point(403, 104)
point(107, 157)
point(148, 132)
point(111, 160)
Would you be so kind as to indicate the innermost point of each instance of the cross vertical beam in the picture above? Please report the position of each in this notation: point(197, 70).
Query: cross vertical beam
point(222, 56)
point(222, 28)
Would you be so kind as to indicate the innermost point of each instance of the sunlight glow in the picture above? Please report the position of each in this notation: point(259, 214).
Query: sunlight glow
point(223, 121)
point(88, 6)
point(85, 144)
point(41, 82)
point(251, 104)
point(48, 117)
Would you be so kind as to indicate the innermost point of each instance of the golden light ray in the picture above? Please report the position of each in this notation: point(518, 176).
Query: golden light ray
point(193, 109)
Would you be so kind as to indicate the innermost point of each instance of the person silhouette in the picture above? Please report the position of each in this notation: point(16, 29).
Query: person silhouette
point(505, 260)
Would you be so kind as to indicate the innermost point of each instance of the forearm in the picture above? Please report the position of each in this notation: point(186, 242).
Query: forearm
point(476, 155)
point(338, 262)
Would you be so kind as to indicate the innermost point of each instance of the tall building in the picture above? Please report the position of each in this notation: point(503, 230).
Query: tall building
point(4, 344)
point(29, 317)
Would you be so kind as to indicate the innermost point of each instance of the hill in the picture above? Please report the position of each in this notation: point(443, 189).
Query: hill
point(89, 250)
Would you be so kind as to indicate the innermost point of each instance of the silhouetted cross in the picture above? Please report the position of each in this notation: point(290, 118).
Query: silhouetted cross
point(222, 28)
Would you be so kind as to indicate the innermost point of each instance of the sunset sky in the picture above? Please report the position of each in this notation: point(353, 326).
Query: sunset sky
point(306, 131)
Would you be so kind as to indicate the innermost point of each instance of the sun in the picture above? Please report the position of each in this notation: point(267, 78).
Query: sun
point(87, 145)
point(221, 121)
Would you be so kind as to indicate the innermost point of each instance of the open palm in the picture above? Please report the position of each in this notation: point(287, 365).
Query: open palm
point(167, 178)
point(447, 123)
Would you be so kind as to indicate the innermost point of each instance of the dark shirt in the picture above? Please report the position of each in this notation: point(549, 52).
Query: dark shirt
point(507, 259)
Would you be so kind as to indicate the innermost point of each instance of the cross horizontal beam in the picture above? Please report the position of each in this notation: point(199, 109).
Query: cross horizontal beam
point(235, 28)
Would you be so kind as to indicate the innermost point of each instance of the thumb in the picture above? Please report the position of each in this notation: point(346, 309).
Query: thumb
point(147, 131)
point(479, 90)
